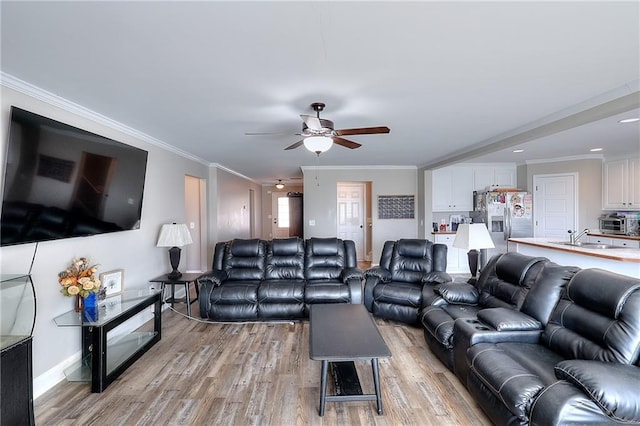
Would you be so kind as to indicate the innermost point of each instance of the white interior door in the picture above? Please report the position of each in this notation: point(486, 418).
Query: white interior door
point(351, 218)
point(554, 205)
point(279, 215)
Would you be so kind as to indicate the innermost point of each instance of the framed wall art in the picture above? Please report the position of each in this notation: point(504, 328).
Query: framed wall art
point(113, 281)
point(396, 207)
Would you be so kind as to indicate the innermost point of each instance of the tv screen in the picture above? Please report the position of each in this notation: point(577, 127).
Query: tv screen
point(63, 182)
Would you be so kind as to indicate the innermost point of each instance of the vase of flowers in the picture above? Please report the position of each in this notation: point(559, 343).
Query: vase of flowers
point(79, 281)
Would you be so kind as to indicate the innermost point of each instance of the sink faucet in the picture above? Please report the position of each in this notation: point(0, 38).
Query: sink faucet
point(573, 238)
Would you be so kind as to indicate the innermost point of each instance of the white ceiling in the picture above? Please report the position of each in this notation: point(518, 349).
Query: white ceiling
point(453, 80)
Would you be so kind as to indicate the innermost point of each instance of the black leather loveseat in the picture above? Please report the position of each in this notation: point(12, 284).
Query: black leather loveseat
point(408, 269)
point(279, 279)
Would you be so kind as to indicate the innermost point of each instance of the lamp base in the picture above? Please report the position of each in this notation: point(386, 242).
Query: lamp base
point(174, 259)
point(472, 256)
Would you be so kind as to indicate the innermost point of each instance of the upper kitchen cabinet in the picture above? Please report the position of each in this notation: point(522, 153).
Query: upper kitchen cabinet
point(495, 176)
point(452, 189)
point(621, 184)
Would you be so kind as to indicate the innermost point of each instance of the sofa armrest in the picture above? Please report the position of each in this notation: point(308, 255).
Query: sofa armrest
point(458, 294)
point(216, 277)
point(436, 277)
point(383, 274)
point(505, 319)
point(612, 386)
point(351, 274)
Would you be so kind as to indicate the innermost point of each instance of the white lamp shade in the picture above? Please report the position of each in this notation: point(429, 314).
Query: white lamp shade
point(473, 236)
point(174, 235)
point(318, 143)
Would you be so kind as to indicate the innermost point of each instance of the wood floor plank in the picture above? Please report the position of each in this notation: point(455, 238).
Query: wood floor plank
point(261, 374)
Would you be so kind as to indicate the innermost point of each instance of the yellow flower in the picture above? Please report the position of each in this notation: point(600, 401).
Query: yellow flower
point(73, 290)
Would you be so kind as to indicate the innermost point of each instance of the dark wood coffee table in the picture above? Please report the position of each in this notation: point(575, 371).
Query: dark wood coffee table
point(345, 333)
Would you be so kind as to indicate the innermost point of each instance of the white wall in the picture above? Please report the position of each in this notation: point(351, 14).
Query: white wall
point(134, 251)
point(320, 200)
point(232, 206)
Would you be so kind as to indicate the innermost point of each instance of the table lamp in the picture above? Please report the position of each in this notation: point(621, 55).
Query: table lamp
point(473, 237)
point(175, 236)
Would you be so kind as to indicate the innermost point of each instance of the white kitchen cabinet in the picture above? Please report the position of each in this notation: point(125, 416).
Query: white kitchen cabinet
point(621, 184)
point(623, 242)
point(452, 189)
point(457, 259)
point(598, 239)
point(498, 176)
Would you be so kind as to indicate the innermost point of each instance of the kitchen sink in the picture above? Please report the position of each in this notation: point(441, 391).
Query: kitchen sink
point(591, 245)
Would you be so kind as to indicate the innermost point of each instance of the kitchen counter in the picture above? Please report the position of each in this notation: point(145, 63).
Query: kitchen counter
point(622, 237)
point(624, 261)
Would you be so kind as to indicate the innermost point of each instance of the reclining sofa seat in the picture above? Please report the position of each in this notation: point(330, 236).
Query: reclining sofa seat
point(256, 279)
point(394, 289)
point(230, 291)
point(504, 282)
point(584, 369)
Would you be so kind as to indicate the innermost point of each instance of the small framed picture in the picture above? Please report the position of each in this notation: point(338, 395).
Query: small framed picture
point(113, 281)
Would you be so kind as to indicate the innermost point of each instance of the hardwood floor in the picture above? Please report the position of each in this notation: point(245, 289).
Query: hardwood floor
point(260, 374)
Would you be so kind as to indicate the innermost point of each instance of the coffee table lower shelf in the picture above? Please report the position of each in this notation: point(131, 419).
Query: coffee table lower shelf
point(347, 384)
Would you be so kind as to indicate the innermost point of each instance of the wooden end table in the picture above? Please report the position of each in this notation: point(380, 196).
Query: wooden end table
point(184, 280)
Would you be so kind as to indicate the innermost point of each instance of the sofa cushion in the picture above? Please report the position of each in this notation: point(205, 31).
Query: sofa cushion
point(327, 291)
point(399, 293)
point(278, 291)
point(245, 259)
point(438, 321)
point(504, 319)
point(612, 386)
point(324, 259)
point(458, 293)
point(285, 259)
point(598, 319)
point(411, 259)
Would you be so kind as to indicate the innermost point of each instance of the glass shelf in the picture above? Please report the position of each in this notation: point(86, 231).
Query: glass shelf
point(17, 309)
point(120, 349)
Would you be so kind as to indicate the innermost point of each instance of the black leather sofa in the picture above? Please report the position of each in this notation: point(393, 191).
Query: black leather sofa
point(538, 343)
point(279, 279)
point(583, 368)
point(408, 268)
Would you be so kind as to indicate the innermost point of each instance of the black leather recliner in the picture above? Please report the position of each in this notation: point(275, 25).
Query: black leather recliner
point(279, 279)
point(583, 369)
point(408, 267)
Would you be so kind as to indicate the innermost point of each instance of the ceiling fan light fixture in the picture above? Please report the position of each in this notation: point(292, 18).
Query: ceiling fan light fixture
point(279, 185)
point(318, 144)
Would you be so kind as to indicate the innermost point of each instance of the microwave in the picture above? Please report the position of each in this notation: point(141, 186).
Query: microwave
point(619, 225)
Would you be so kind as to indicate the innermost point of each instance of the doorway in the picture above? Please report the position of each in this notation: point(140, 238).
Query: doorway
point(354, 216)
point(554, 205)
point(279, 215)
point(195, 211)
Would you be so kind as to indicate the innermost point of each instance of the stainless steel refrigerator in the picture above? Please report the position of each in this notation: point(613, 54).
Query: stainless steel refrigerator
point(507, 214)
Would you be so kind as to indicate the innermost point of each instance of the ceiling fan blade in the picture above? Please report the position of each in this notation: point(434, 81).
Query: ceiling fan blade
point(346, 143)
point(312, 122)
point(295, 145)
point(363, 131)
point(270, 134)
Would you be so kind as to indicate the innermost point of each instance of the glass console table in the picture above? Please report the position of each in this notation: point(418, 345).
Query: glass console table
point(105, 357)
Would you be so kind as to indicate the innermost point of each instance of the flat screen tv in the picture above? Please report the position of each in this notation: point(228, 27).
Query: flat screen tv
point(63, 182)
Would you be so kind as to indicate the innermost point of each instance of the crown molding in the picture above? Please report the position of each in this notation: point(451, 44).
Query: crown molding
point(570, 158)
point(359, 168)
point(233, 172)
point(11, 82)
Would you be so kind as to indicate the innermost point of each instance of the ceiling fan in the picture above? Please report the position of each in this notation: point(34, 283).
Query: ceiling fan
point(319, 134)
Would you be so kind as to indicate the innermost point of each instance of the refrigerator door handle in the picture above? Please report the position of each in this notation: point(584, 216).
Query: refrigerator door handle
point(507, 224)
